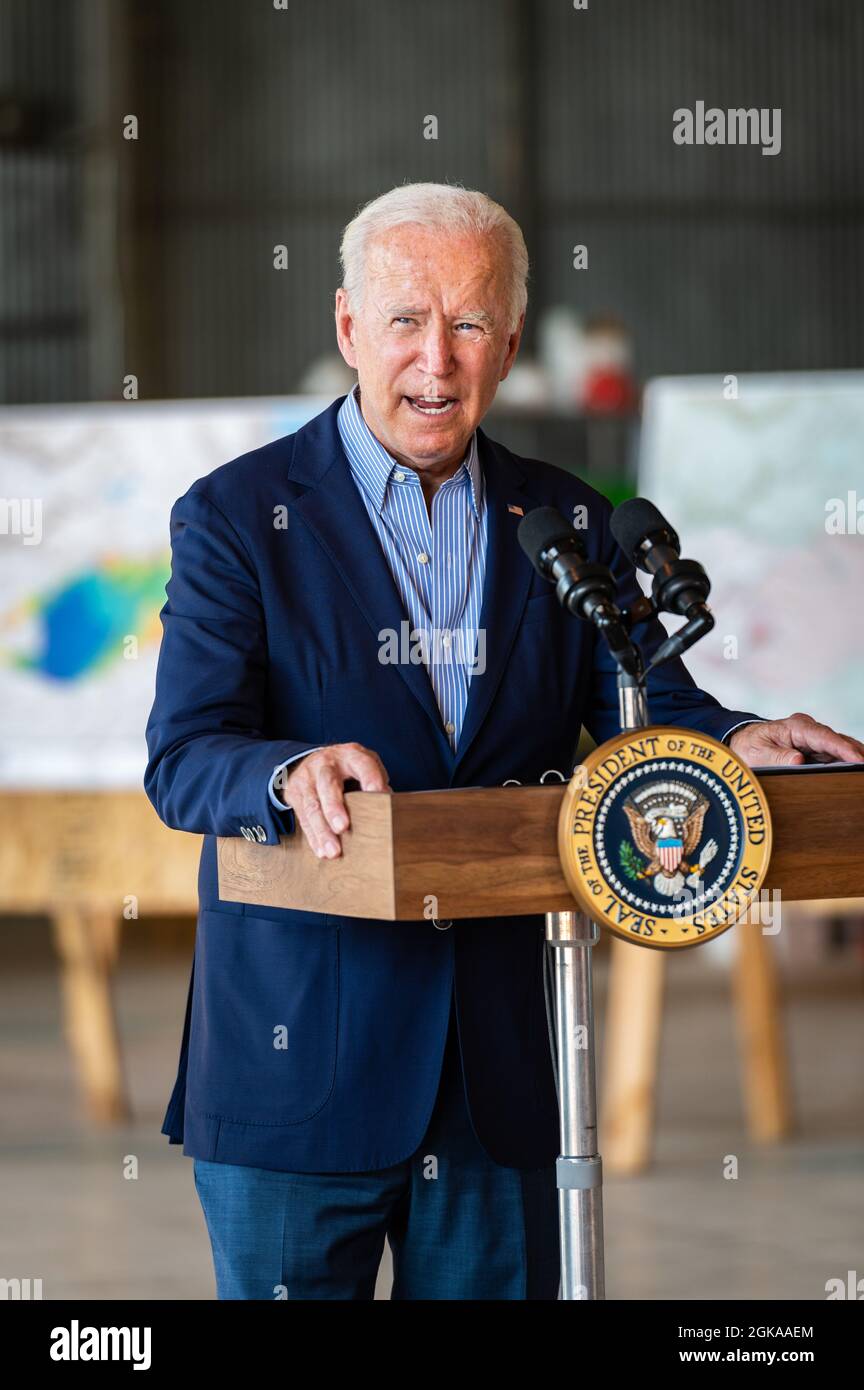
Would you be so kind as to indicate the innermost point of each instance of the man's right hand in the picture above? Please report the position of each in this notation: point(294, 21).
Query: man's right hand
point(314, 789)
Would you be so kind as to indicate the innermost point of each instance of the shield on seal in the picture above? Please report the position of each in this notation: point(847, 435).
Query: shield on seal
point(670, 852)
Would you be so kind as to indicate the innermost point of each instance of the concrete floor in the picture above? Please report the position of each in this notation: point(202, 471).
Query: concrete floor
point(791, 1220)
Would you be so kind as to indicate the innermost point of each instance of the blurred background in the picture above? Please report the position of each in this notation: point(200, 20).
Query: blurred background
point(174, 181)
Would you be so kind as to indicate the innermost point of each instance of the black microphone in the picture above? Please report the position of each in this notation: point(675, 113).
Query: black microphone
point(584, 588)
point(677, 586)
point(645, 536)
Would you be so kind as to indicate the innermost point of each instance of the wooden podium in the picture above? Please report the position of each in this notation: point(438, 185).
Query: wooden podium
point(492, 851)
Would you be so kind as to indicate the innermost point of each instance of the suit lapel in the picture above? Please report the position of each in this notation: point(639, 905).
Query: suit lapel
point(506, 583)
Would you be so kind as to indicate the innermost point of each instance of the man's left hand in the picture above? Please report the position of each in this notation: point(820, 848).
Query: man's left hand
point(797, 739)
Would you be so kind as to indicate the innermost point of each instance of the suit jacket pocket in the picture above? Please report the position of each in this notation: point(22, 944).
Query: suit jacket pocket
point(265, 1016)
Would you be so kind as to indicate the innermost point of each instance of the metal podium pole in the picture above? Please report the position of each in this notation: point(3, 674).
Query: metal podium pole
point(579, 1169)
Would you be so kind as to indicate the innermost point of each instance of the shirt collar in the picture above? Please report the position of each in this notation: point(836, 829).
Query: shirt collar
point(373, 467)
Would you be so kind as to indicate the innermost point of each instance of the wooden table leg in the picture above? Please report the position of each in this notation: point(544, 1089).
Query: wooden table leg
point(87, 942)
point(764, 1062)
point(631, 1044)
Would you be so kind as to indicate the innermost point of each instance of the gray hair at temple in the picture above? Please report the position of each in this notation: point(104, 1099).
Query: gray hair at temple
point(448, 207)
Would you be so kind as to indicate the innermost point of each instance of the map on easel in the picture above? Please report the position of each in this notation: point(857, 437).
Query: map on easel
point(86, 493)
point(763, 479)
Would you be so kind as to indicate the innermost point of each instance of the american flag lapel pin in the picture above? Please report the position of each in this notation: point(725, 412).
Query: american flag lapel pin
point(517, 511)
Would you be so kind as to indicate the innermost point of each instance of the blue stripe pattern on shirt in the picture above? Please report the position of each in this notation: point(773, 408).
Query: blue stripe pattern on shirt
point(438, 565)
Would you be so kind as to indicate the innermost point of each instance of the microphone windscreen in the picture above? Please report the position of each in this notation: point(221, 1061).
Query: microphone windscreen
point(634, 520)
point(540, 529)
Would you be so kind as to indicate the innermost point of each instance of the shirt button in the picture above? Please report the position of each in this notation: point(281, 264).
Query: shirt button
point(446, 640)
point(423, 557)
point(400, 477)
point(449, 727)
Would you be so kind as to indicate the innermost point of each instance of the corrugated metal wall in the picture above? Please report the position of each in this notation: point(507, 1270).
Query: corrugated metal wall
point(723, 259)
point(260, 127)
point(43, 318)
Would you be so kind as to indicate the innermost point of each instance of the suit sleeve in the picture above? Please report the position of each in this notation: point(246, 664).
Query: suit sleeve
point(673, 695)
point(209, 762)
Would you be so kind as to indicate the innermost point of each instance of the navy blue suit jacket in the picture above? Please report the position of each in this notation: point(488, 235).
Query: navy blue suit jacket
point(270, 648)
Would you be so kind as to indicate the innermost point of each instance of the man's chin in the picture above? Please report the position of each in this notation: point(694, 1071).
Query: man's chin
point(431, 446)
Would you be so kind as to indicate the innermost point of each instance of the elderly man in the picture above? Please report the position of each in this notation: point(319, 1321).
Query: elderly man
point(342, 1080)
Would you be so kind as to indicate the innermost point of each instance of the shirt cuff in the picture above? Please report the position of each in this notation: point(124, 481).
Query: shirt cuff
point(742, 723)
point(271, 787)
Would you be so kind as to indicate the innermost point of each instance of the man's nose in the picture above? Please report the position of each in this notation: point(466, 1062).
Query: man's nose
point(436, 352)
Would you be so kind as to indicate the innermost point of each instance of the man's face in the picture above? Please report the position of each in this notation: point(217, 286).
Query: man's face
point(431, 325)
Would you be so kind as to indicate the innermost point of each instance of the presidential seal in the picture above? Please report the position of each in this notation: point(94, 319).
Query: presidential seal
point(664, 836)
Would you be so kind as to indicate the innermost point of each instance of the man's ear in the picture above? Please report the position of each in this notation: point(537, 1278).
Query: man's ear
point(512, 347)
point(345, 327)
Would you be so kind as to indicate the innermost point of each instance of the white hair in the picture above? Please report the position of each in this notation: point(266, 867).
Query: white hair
point(446, 207)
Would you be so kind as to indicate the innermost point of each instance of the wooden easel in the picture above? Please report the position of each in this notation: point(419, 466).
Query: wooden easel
point(91, 861)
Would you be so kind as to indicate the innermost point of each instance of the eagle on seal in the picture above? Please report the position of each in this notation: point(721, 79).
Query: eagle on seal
point(667, 852)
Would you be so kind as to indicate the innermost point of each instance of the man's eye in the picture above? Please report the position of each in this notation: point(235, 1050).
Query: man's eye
point(401, 320)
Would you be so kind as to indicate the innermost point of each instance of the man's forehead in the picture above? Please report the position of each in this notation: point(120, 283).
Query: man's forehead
point(402, 279)
point(394, 257)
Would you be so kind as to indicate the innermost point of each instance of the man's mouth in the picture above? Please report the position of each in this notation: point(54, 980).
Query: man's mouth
point(432, 405)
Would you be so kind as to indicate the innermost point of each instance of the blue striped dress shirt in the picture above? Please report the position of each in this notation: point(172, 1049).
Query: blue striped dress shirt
point(438, 564)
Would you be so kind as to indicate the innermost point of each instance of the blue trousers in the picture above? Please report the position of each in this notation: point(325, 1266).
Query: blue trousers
point(459, 1225)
